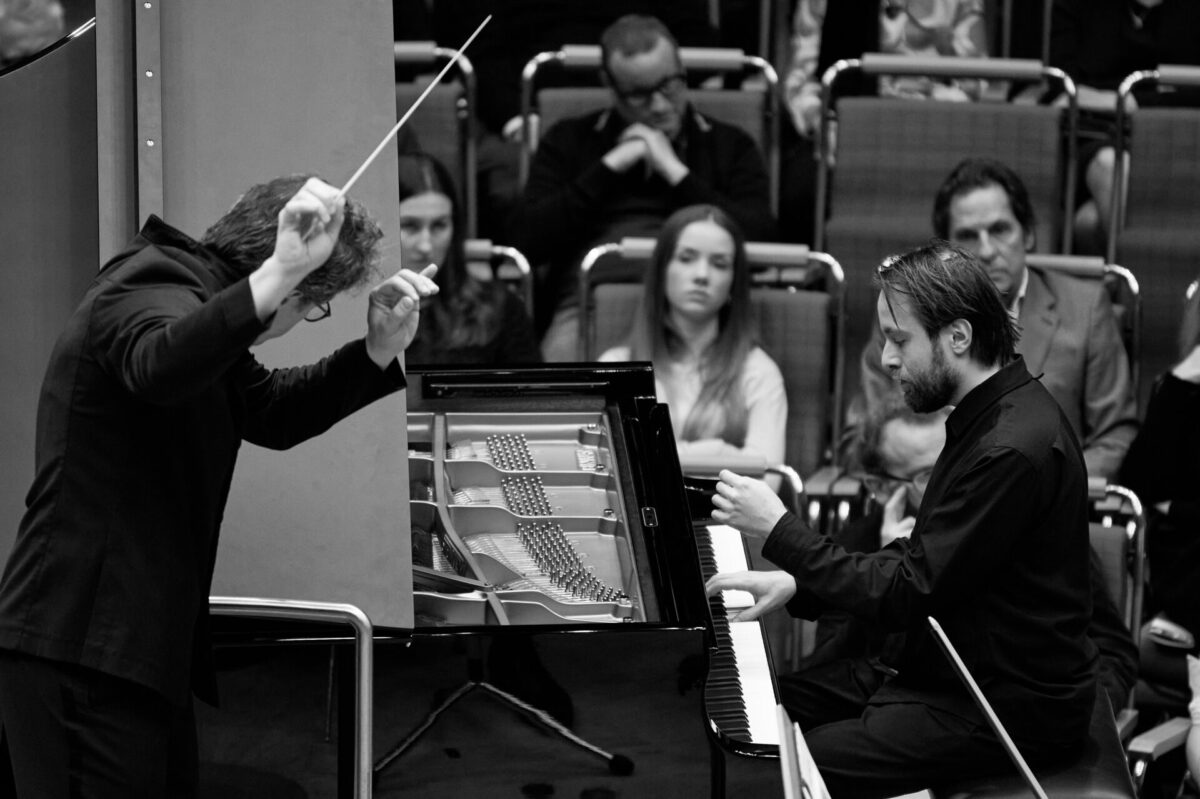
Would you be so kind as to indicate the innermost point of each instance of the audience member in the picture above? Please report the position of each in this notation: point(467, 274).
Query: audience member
point(823, 33)
point(694, 324)
point(622, 170)
point(519, 30)
point(1068, 331)
point(469, 321)
point(1098, 43)
point(1163, 469)
point(998, 554)
point(900, 450)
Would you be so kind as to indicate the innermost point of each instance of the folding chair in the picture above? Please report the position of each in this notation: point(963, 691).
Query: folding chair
point(753, 111)
point(878, 183)
point(503, 263)
point(445, 122)
point(1153, 224)
point(1123, 290)
point(797, 297)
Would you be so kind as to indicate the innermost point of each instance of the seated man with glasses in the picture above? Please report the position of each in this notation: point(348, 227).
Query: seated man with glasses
point(1068, 331)
point(623, 170)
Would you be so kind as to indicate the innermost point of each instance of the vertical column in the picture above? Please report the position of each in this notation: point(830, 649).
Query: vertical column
point(148, 80)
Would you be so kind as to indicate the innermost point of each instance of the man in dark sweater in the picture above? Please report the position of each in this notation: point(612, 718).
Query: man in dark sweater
point(998, 553)
point(622, 171)
point(149, 392)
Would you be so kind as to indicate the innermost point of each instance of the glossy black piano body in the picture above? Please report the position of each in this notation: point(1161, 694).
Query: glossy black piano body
point(643, 599)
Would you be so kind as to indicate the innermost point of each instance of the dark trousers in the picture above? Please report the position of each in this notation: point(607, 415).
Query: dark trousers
point(68, 731)
point(865, 750)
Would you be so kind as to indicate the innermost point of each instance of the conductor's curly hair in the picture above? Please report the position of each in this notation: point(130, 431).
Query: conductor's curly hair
point(245, 237)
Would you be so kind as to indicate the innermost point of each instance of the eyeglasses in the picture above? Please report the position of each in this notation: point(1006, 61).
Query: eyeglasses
point(319, 311)
point(882, 485)
point(669, 87)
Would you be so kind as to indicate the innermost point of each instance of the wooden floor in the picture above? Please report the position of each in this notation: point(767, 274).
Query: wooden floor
point(269, 736)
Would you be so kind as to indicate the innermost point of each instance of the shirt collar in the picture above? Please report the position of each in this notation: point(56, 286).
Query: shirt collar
point(164, 236)
point(1009, 377)
point(1014, 309)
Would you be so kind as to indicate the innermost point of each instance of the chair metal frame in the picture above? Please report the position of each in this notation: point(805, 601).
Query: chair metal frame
point(1167, 74)
point(430, 53)
point(714, 59)
point(781, 267)
point(364, 661)
point(877, 64)
point(508, 264)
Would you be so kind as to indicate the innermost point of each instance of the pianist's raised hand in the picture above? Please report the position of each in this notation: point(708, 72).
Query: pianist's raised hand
point(770, 590)
point(748, 504)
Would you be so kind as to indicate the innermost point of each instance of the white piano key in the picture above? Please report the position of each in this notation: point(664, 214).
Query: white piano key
point(730, 554)
point(754, 674)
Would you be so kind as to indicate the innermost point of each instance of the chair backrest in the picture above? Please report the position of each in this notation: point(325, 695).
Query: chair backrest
point(879, 173)
point(1123, 291)
point(890, 155)
point(754, 111)
point(1155, 219)
point(797, 301)
point(503, 263)
point(444, 123)
point(1155, 186)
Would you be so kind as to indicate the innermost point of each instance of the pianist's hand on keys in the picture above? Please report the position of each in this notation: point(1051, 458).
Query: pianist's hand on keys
point(770, 589)
point(747, 504)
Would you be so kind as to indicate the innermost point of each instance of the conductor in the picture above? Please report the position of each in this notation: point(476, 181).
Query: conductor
point(998, 554)
point(149, 392)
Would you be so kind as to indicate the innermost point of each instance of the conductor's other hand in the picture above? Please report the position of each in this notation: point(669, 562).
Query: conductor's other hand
point(895, 523)
point(308, 229)
point(770, 590)
point(747, 504)
point(394, 311)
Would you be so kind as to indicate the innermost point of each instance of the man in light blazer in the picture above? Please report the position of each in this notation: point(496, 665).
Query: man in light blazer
point(1068, 332)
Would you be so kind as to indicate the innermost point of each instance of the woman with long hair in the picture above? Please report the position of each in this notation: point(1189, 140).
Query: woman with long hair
point(470, 321)
point(725, 394)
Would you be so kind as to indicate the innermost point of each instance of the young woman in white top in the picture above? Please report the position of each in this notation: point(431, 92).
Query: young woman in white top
point(694, 324)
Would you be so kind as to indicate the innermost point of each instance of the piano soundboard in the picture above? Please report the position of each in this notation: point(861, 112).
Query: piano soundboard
point(519, 520)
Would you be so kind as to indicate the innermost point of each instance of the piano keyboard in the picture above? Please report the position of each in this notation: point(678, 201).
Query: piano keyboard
point(740, 695)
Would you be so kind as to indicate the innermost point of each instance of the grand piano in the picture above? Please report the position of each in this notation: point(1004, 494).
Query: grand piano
point(550, 522)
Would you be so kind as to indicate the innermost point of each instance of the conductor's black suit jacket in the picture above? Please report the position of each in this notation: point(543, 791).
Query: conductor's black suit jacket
point(148, 395)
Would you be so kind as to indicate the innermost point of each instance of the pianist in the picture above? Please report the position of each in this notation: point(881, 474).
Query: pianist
point(998, 553)
point(148, 394)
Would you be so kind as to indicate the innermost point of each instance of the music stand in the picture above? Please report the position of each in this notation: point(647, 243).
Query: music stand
point(801, 778)
point(984, 706)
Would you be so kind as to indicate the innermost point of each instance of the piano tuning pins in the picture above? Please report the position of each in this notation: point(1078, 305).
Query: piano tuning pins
point(510, 452)
point(526, 496)
point(557, 558)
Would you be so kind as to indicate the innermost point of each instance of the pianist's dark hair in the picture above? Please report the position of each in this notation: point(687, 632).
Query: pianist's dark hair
point(466, 312)
point(943, 283)
point(245, 237)
point(720, 410)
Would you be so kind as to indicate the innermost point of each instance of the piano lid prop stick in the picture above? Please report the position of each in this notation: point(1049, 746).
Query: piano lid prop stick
point(396, 128)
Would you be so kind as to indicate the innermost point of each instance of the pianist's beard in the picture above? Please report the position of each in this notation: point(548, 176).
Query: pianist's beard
point(931, 389)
